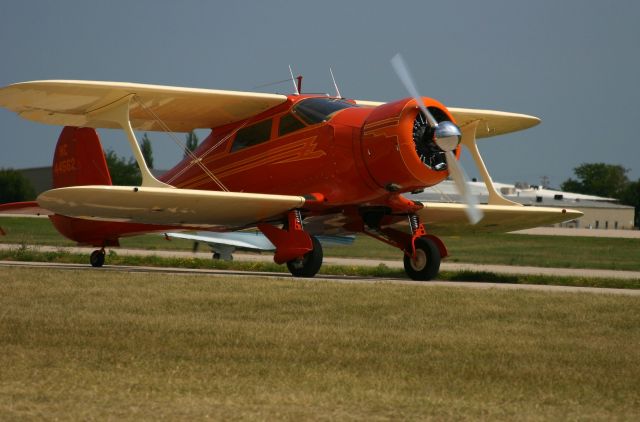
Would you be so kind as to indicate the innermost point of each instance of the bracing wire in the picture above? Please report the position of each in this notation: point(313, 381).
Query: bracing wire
point(194, 158)
point(208, 151)
point(272, 84)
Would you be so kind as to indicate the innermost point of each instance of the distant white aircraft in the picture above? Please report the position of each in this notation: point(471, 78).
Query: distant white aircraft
point(524, 194)
point(224, 244)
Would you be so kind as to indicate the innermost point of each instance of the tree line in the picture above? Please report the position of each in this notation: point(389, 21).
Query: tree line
point(606, 180)
point(14, 187)
point(125, 172)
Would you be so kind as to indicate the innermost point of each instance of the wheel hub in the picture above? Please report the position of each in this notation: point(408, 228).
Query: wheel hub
point(419, 261)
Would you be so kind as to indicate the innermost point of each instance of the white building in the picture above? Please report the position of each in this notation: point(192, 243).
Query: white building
point(599, 212)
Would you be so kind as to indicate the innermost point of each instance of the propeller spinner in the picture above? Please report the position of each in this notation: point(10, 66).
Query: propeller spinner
point(446, 135)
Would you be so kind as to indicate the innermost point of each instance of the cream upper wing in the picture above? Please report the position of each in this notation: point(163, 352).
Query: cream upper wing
point(491, 122)
point(68, 103)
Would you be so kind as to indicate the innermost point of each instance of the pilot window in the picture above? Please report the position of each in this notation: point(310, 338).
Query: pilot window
point(288, 124)
point(319, 109)
point(252, 135)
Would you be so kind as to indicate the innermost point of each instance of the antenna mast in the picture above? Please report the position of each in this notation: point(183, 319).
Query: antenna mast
point(295, 87)
point(299, 79)
point(335, 84)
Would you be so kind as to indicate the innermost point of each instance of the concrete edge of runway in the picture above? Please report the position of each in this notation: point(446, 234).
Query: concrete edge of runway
point(445, 266)
point(321, 278)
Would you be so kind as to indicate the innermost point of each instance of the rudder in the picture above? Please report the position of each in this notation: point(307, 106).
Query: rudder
point(79, 159)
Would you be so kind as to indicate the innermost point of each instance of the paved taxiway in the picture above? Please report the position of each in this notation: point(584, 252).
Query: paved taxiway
point(320, 278)
point(397, 263)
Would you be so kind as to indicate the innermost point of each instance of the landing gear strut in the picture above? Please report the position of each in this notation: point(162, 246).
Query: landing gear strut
point(422, 251)
point(309, 264)
point(423, 255)
point(425, 263)
point(97, 258)
point(301, 252)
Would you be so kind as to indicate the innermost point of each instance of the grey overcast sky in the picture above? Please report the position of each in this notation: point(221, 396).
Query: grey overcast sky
point(575, 64)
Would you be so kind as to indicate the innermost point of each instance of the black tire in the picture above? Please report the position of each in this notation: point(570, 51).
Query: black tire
point(218, 257)
point(427, 263)
point(97, 258)
point(310, 264)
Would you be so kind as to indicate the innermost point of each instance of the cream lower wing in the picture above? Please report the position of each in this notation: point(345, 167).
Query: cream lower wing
point(181, 207)
point(450, 219)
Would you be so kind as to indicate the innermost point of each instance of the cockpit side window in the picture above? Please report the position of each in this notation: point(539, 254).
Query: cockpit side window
point(320, 109)
point(289, 123)
point(252, 135)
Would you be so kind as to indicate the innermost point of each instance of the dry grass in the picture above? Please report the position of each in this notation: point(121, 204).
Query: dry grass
point(96, 345)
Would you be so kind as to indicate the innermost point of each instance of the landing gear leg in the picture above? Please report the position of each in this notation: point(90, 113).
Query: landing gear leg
point(309, 264)
point(422, 260)
point(97, 258)
point(301, 252)
point(424, 265)
point(422, 251)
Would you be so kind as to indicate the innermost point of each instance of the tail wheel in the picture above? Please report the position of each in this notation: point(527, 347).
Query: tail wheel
point(97, 258)
point(310, 263)
point(426, 264)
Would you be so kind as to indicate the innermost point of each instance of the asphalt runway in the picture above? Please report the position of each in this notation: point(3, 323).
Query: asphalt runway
point(395, 263)
point(320, 278)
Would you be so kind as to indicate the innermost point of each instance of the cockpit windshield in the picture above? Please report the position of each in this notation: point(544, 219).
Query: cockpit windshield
point(319, 109)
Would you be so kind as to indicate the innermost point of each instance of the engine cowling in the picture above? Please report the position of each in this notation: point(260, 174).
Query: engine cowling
point(398, 148)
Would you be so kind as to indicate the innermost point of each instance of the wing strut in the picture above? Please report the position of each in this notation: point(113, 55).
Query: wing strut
point(194, 158)
point(118, 112)
point(469, 141)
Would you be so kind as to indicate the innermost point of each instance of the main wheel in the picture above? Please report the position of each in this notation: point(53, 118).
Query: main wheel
point(217, 256)
point(310, 263)
point(426, 264)
point(97, 258)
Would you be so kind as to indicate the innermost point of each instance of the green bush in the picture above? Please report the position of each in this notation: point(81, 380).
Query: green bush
point(14, 187)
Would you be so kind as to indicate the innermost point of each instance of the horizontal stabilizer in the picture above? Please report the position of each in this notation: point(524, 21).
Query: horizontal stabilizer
point(23, 208)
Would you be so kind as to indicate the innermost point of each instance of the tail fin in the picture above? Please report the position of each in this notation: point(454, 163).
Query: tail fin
point(79, 159)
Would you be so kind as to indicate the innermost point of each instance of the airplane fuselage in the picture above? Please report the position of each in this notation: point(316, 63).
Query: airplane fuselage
point(345, 153)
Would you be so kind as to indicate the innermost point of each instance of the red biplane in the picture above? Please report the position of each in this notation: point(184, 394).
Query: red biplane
point(294, 166)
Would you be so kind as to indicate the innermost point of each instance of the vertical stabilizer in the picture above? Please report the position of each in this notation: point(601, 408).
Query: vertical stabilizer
point(79, 159)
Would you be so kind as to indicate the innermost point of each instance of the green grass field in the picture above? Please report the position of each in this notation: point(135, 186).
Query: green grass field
point(93, 345)
point(506, 249)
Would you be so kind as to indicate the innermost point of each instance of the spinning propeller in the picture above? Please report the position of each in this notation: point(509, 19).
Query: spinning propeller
point(446, 136)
